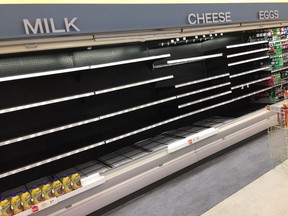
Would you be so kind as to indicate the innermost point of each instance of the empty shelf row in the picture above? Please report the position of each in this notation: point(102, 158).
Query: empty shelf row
point(129, 153)
point(62, 71)
point(92, 120)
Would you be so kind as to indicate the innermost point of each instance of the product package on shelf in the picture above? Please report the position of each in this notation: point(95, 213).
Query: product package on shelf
point(45, 192)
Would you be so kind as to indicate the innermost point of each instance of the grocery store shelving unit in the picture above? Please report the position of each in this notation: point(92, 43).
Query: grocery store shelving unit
point(128, 119)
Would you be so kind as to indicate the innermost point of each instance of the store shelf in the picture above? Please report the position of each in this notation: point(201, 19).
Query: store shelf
point(279, 55)
point(45, 73)
point(280, 84)
point(192, 139)
point(62, 71)
point(203, 90)
point(204, 99)
point(87, 183)
point(84, 122)
point(247, 61)
point(194, 59)
point(281, 69)
point(278, 41)
point(130, 61)
point(249, 83)
point(49, 160)
point(47, 102)
point(12, 172)
point(147, 170)
point(246, 44)
point(187, 60)
point(247, 53)
point(252, 93)
point(89, 94)
point(250, 71)
point(202, 80)
point(133, 85)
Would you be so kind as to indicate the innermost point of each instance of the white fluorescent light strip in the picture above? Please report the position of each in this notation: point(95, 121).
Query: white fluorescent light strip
point(277, 70)
point(130, 61)
point(249, 83)
point(119, 137)
point(246, 61)
point(49, 160)
point(194, 59)
point(203, 90)
point(69, 70)
point(165, 122)
point(88, 121)
point(204, 109)
point(202, 80)
point(141, 130)
point(50, 131)
point(204, 99)
point(40, 74)
point(246, 44)
point(58, 100)
point(247, 53)
point(253, 93)
point(249, 72)
point(133, 85)
point(137, 108)
point(43, 103)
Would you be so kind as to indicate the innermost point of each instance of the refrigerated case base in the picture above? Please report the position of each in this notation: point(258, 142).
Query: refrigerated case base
point(124, 180)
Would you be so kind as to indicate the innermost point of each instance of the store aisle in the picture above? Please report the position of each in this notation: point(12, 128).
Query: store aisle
point(266, 196)
point(201, 188)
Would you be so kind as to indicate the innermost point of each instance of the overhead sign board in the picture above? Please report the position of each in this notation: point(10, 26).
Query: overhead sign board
point(46, 18)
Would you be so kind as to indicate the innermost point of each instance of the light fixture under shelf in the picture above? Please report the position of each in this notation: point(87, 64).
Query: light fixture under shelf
point(187, 60)
point(43, 103)
point(249, 83)
point(52, 159)
point(69, 70)
point(194, 59)
point(133, 85)
point(249, 72)
point(246, 44)
point(45, 73)
point(202, 80)
point(203, 90)
point(130, 61)
point(247, 53)
point(247, 61)
point(204, 99)
point(74, 97)
point(84, 122)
